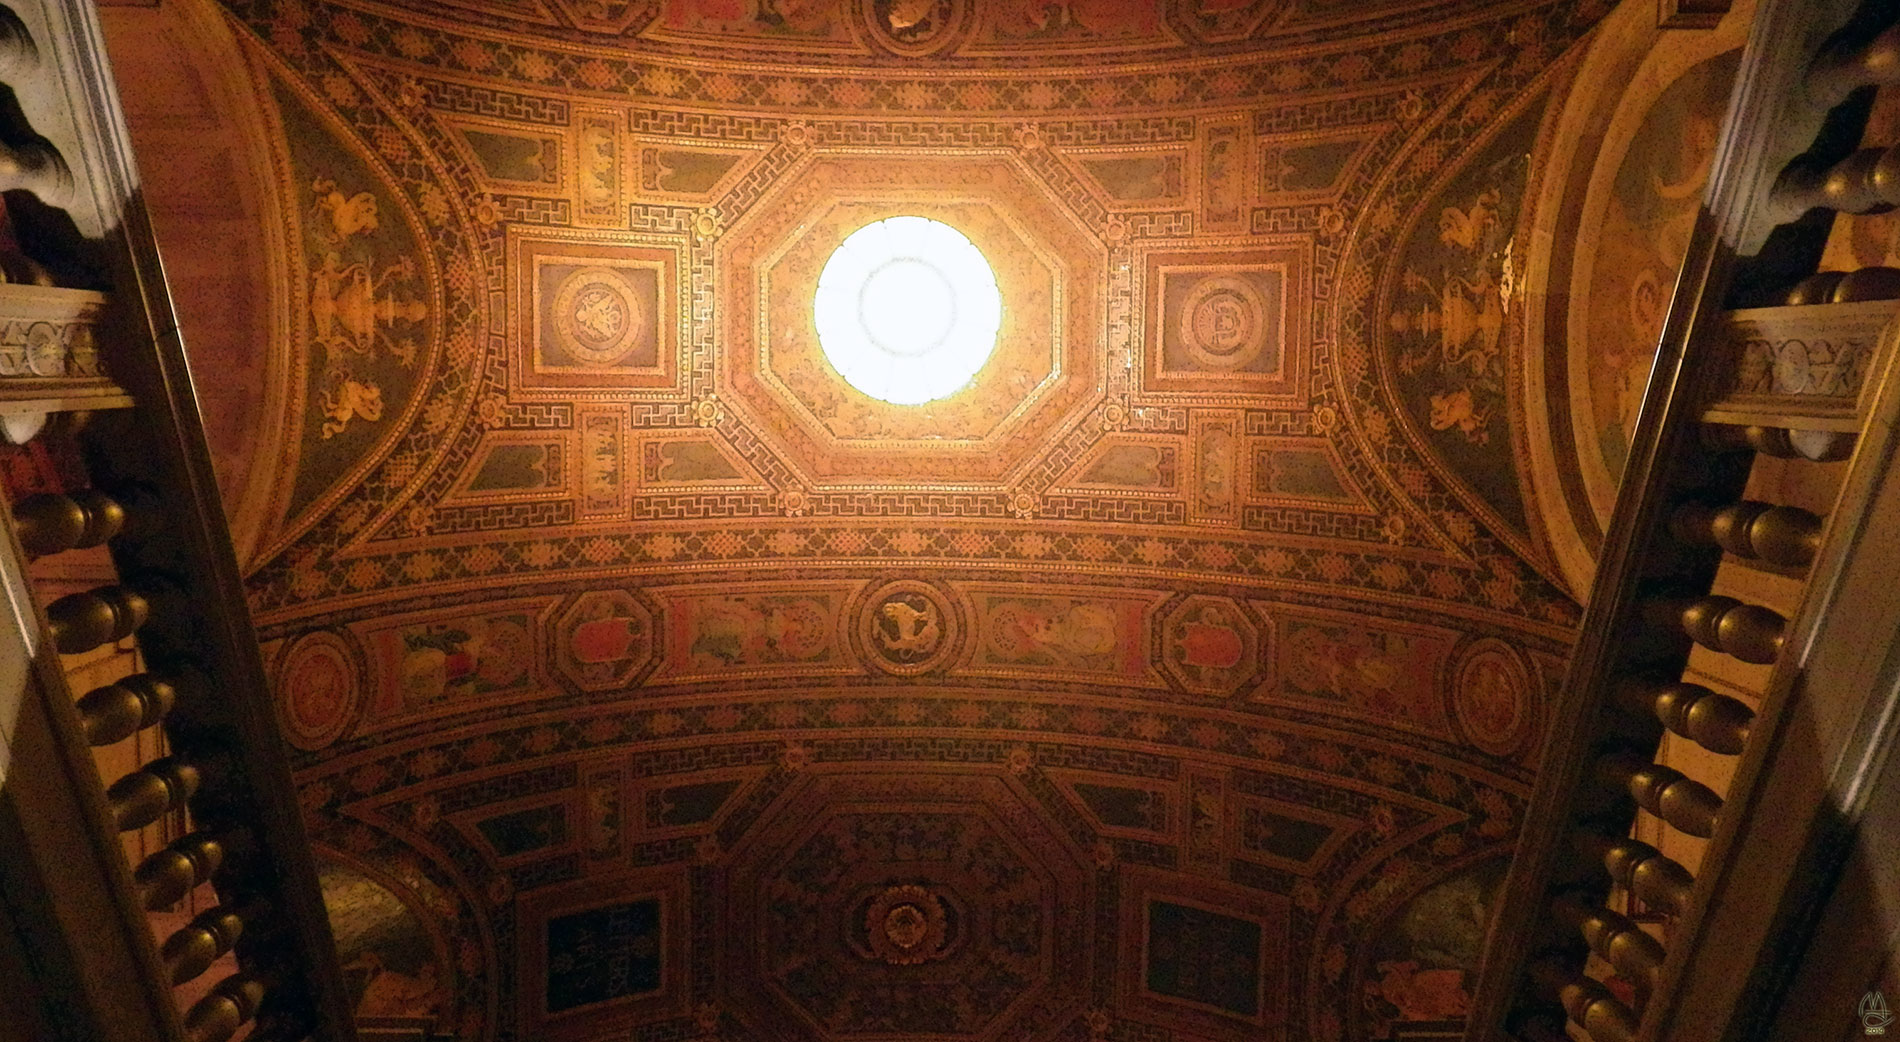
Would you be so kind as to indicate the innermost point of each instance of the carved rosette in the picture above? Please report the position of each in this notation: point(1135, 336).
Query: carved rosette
point(906, 926)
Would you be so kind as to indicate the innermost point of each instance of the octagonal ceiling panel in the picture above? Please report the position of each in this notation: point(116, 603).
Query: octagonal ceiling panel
point(900, 904)
point(1045, 373)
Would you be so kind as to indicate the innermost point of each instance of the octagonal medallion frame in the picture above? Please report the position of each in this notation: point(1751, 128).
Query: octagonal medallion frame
point(1049, 368)
point(995, 803)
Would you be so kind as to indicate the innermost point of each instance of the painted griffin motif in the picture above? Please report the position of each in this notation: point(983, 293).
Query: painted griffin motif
point(360, 306)
point(1423, 994)
point(351, 401)
point(911, 629)
point(1450, 333)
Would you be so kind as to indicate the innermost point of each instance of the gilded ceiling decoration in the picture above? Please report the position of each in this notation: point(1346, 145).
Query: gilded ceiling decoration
point(1178, 679)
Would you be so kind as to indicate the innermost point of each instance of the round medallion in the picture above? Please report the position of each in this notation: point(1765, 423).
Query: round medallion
point(907, 628)
point(597, 316)
point(1490, 698)
point(906, 926)
point(907, 310)
point(317, 690)
point(913, 27)
point(1223, 323)
point(45, 352)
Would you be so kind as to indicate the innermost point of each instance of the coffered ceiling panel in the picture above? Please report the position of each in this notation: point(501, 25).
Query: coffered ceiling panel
point(1179, 678)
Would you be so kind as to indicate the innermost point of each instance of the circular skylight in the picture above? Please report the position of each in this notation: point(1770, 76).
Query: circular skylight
point(907, 310)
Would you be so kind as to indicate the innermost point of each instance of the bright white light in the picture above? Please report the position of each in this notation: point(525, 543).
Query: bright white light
point(907, 310)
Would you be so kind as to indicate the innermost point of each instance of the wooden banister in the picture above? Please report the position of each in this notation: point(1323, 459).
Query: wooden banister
point(1810, 795)
point(1731, 379)
point(178, 599)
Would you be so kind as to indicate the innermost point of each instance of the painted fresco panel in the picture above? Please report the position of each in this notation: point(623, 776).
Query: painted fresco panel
point(1122, 805)
point(390, 957)
point(435, 664)
point(603, 639)
point(371, 318)
point(514, 465)
point(1210, 646)
point(693, 460)
point(1126, 463)
point(524, 160)
point(1145, 179)
point(1311, 166)
point(598, 159)
point(1392, 673)
point(1297, 838)
point(688, 173)
point(1636, 253)
point(1226, 174)
point(525, 831)
point(1423, 962)
point(789, 629)
point(319, 687)
point(1446, 332)
point(801, 21)
point(1214, 467)
point(606, 485)
point(1011, 24)
point(1301, 472)
point(1074, 632)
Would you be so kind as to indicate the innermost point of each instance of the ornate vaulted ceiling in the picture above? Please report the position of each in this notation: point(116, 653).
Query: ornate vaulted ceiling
point(1179, 680)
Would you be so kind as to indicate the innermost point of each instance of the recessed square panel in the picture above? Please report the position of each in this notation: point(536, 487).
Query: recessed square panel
point(1224, 321)
point(1220, 322)
point(603, 954)
point(600, 955)
point(1202, 957)
point(594, 316)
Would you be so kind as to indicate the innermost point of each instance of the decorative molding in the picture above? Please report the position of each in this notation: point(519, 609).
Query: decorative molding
point(49, 355)
point(1801, 367)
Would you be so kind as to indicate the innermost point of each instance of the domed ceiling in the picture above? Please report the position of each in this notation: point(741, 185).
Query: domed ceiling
point(1179, 680)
